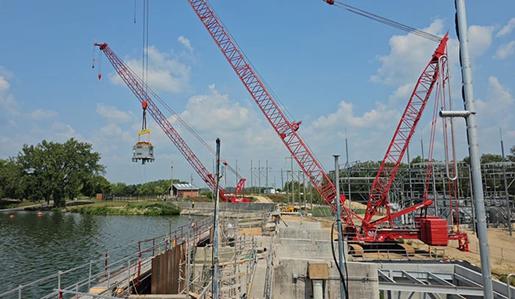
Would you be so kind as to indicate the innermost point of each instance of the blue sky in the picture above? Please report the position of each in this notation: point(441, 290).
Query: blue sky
point(333, 70)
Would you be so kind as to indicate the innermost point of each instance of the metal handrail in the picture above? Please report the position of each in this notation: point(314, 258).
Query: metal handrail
point(178, 235)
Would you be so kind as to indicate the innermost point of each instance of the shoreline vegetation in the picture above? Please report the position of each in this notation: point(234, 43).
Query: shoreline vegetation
point(128, 208)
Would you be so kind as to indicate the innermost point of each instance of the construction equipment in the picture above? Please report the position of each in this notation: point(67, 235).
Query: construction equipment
point(143, 93)
point(287, 131)
point(143, 150)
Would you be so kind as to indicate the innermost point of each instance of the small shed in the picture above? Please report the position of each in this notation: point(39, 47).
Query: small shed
point(184, 190)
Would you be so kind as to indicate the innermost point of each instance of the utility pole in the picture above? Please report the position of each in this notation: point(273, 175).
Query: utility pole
point(292, 187)
point(282, 180)
point(251, 177)
point(191, 185)
point(506, 186)
point(298, 178)
point(304, 185)
point(468, 91)
point(266, 185)
point(259, 177)
point(215, 224)
point(339, 220)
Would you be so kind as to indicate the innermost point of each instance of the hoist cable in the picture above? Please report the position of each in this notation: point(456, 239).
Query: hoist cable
point(386, 21)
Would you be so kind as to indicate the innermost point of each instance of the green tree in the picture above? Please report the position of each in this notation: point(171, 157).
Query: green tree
point(94, 185)
point(59, 170)
point(11, 179)
point(512, 154)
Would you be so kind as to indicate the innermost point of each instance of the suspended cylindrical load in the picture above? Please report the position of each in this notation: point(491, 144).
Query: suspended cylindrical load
point(143, 150)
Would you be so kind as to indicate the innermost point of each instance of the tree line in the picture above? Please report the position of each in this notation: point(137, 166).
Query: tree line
point(55, 172)
point(52, 171)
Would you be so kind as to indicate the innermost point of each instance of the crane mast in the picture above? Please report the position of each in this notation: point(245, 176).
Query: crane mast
point(138, 88)
point(400, 141)
point(286, 130)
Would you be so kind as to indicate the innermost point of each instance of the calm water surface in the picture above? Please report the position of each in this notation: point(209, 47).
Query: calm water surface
point(32, 246)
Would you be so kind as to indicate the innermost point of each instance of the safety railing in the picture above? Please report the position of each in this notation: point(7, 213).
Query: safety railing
point(399, 255)
point(133, 259)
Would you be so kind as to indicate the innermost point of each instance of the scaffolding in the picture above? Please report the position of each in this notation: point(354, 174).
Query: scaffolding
point(357, 178)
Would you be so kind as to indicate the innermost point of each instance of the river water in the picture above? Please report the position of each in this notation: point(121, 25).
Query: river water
point(32, 246)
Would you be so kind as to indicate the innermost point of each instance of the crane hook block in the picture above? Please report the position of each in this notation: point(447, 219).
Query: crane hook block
point(144, 104)
point(99, 76)
point(330, 2)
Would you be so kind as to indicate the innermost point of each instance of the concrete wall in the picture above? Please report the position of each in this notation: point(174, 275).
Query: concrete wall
point(363, 281)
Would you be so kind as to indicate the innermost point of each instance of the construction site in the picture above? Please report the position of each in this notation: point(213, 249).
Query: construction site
point(388, 229)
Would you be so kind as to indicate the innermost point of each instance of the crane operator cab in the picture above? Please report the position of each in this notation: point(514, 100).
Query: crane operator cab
point(143, 150)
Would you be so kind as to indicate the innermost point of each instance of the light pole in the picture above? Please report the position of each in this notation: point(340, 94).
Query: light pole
point(468, 91)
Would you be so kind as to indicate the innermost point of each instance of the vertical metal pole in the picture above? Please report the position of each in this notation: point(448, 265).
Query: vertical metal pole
point(251, 177)
point(59, 283)
point(304, 187)
point(89, 277)
point(292, 187)
point(282, 180)
point(339, 219)
point(300, 200)
point(311, 194)
point(266, 174)
point(349, 195)
point(20, 287)
point(506, 188)
point(129, 277)
point(171, 182)
point(259, 176)
point(215, 225)
point(475, 165)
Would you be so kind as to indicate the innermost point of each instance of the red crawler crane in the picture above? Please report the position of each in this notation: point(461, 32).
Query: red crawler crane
point(139, 89)
point(287, 131)
point(400, 141)
point(435, 70)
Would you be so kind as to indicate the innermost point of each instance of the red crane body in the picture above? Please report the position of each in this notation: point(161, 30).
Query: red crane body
point(286, 130)
point(400, 141)
point(139, 88)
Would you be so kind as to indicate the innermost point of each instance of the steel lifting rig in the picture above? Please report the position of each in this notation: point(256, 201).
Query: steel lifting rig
point(143, 150)
point(142, 91)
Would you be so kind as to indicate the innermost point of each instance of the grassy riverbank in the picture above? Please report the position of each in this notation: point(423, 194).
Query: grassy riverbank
point(128, 208)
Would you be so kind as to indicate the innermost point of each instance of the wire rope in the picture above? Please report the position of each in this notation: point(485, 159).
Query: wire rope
point(387, 21)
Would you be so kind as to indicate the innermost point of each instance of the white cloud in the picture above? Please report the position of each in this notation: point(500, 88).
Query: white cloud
point(507, 29)
point(40, 114)
point(408, 56)
point(4, 85)
point(480, 38)
point(505, 51)
point(215, 110)
point(112, 114)
point(8, 105)
point(497, 110)
point(185, 42)
point(165, 71)
point(402, 93)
